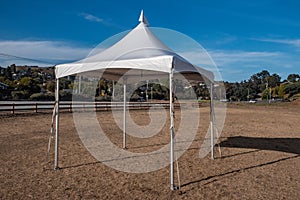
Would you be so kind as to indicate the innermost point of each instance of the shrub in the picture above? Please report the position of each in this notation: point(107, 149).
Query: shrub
point(65, 96)
point(292, 89)
point(42, 97)
point(18, 95)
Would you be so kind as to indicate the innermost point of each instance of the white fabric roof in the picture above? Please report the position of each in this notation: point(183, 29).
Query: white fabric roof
point(139, 50)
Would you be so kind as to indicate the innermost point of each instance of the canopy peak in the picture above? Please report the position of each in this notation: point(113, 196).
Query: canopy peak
point(143, 18)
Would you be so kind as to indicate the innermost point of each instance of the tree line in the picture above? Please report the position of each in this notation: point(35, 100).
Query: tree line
point(38, 83)
point(263, 85)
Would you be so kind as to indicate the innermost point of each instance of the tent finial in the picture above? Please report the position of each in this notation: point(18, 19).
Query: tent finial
point(143, 19)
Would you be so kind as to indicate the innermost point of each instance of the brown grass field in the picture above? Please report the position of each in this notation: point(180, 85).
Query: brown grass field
point(260, 159)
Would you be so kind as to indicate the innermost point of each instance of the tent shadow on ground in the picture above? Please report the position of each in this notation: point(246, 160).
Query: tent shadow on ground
point(215, 177)
point(287, 145)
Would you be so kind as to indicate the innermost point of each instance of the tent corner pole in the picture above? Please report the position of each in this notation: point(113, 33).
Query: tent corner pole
point(113, 91)
point(56, 124)
point(212, 124)
point(124, 116)
point(172, 185)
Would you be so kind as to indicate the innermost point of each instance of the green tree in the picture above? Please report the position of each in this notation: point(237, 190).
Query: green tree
point(20, 95)
point(258, 80)
point(202, 91)
point(273, 80)
point(50, 86)
point(8, 73)
point(293, 77)
point(281, 91)
point(64, 83)
point(28, 84)
point(13, 68)
point(266, 93)
point(292, 89)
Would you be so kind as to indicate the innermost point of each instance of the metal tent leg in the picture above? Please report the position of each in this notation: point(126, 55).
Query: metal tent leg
point(56, 124)
point(113, 91)
point(124, 118)
point(212, 124)
point(172, 185)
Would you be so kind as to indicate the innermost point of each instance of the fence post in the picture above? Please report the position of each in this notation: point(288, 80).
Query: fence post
point(36, 107)
point(13, 108)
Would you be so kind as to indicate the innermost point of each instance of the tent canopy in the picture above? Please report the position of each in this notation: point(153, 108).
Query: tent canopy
point(139, 50)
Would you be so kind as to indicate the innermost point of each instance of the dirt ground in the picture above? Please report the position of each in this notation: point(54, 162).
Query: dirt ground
point(260, 159)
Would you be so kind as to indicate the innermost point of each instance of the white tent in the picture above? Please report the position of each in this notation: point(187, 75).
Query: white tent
point(139, 50)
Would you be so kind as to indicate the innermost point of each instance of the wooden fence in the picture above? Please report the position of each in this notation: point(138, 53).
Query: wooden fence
point(84, 106)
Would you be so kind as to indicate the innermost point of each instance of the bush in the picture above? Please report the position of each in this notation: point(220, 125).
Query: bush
point(266, 94)
point(65, 96)
point(19, 95)
point(292, 89)
point(101, 98)
point(50, 86)
point(42, 97)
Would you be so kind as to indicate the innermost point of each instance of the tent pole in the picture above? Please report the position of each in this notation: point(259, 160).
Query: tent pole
point(147, 90)
point(79, 87)
point(171, 132)
point(56, 124)
point(124, 117)
point(212, 124)
point(113, 91)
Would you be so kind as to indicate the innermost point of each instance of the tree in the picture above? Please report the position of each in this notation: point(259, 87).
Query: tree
point(18, 95)
point(266, 94)
point(292, 89)
point(50, 86)
point(258, 81)
point(13, 68)
point(8, 73)
point(293, 77)
point(281, 91)
point(28, 84)
point(273, 80)
point(202, 91)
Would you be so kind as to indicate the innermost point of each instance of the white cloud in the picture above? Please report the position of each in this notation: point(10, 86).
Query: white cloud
point(91, 17)
point(293, 42)
point(226, 40)
point(106, 22)
point(44, 51)
point(226, 57)
point(233, 64)
point(199, 57)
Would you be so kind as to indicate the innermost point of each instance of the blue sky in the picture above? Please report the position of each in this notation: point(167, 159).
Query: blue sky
point(242, 37)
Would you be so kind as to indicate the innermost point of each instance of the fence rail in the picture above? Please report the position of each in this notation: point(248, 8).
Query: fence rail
point(69, 106)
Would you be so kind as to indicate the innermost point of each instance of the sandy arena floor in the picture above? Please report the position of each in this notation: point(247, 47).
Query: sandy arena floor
point(260, 159)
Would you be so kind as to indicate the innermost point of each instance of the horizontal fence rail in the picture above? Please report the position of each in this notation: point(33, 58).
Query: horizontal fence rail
point(85, 106)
